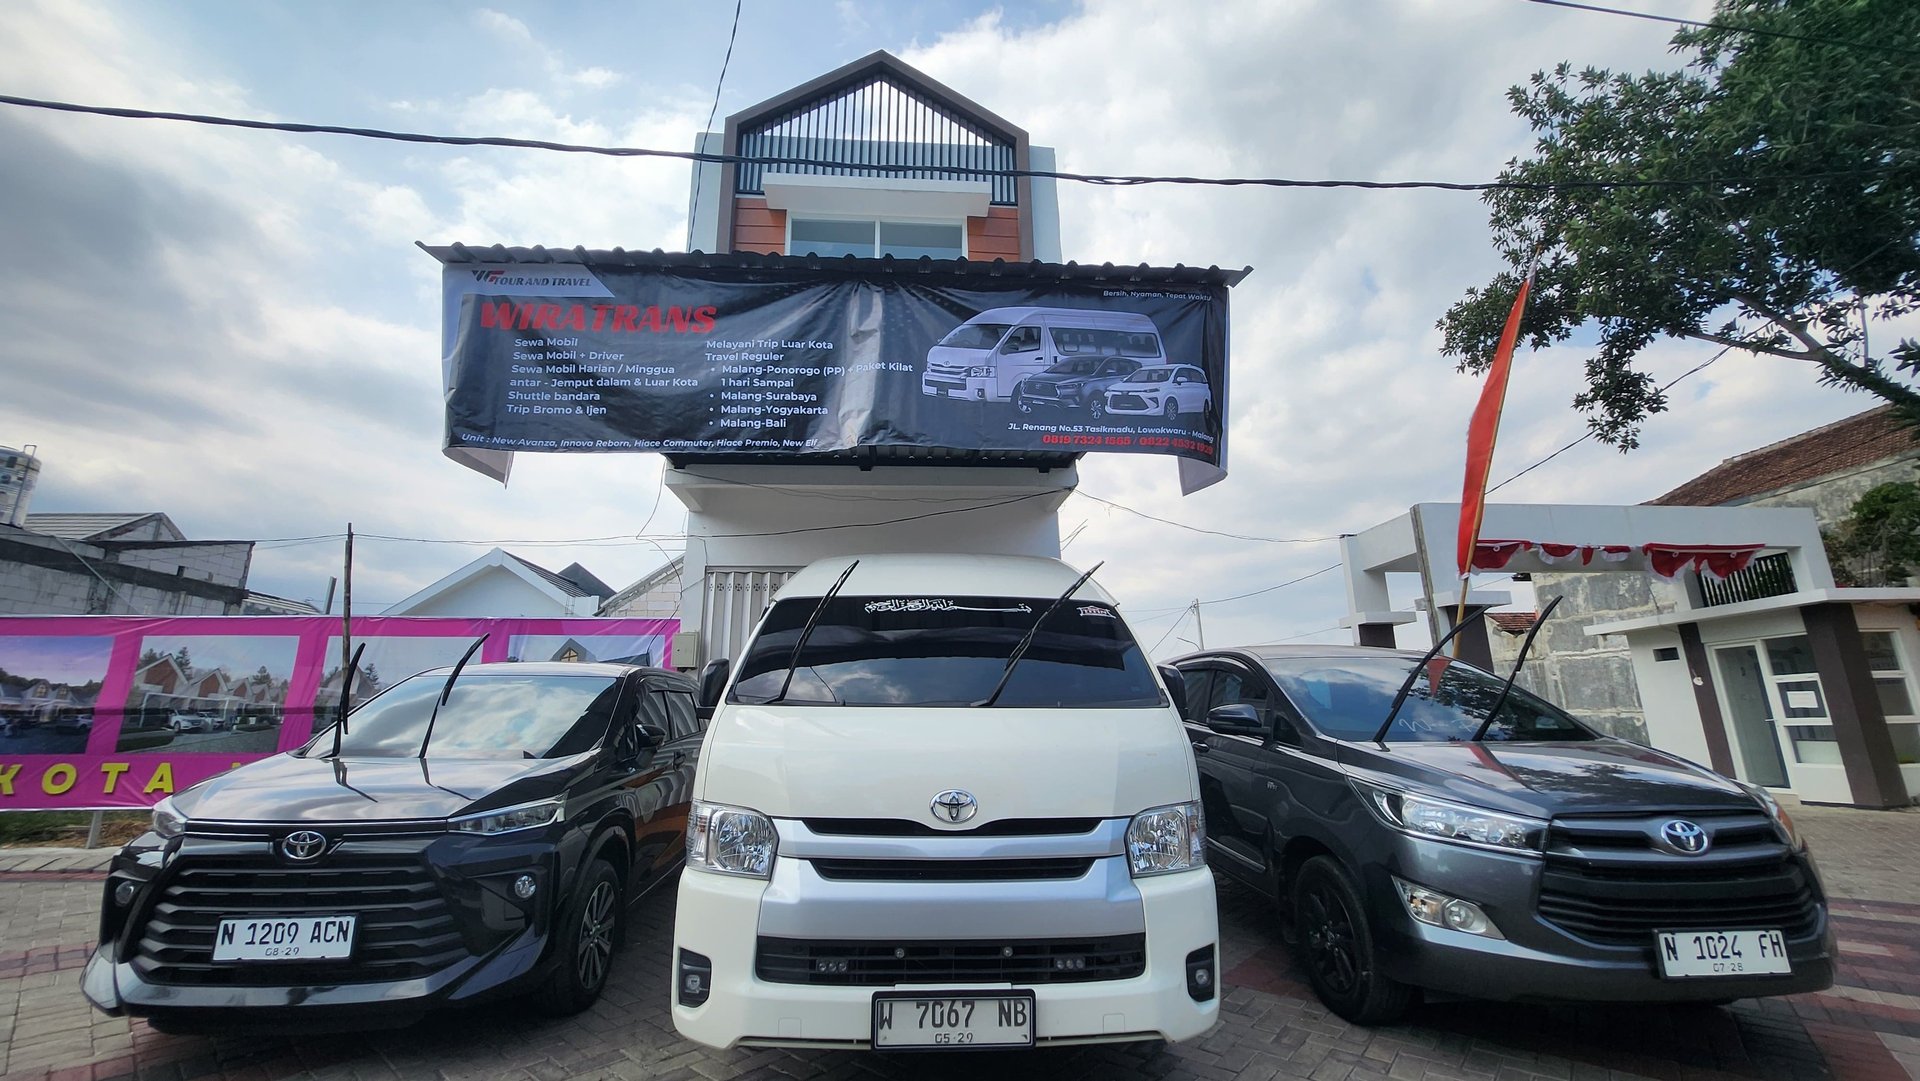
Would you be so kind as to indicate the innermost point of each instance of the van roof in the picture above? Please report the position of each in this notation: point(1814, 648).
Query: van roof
point(1086, 317)
point(932, 574)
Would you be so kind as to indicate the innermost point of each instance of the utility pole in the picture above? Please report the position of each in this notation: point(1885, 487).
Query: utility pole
point(1199, 631)
point(346, 622)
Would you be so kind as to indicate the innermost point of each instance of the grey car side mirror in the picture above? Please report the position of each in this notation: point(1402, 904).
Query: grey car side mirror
point(1238, 719)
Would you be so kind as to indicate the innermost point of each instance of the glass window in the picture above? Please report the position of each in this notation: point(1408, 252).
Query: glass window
point(947, 651)
point(1232, 688)
point(1348, 698)
point(1802, 698)
point(1880, 651)
point(910, 240)
point(1790, 656)
point(1022, 340)
point(830, 238)
point(678, 707)
point(1895, 701)
point(1889, 678)
point(1196, 681)
point(486, 716)
point(975, 335)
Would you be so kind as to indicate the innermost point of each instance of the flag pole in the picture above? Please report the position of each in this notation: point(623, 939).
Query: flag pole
point(1483, 432)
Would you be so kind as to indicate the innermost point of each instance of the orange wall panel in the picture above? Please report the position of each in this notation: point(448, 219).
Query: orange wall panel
point(759, 228)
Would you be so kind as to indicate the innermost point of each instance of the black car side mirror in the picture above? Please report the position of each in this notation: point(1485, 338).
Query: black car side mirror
point(1238, 719)
point(1176, 688)
point(713, 680)
point(651, 735)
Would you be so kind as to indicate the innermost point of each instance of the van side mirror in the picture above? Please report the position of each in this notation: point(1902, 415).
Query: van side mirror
point(713, 680)
point(1237, 719)
point(1176, 688)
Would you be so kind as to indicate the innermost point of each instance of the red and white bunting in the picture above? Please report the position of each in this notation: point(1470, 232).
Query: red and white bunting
point(1665, 560)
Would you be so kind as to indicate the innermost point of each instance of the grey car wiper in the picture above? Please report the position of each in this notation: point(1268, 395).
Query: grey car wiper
point(793, 659)
point(1480, 733)
point(446, 691)
point(1026, 640)
point(1413, 673)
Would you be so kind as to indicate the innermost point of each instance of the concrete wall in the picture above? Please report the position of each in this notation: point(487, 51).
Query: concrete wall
point(660, 601)
point(1832, 498)
point(42, 575)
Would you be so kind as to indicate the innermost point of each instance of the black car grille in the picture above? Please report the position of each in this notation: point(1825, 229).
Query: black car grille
point(882, 964)
point(1048, 390)
point(1607, 880)
point(1126, 401)
point(940, 870)
point(403, 928)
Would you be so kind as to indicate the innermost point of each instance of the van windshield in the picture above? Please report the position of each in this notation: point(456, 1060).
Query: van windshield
point(1347, 697)
point(948, 651)
point(975, 335)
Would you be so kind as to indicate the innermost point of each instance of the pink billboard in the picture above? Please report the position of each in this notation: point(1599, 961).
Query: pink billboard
point(119, 711)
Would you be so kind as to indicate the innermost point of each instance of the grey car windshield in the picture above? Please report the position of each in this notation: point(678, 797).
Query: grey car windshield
point(976, 335)
point(1348, 697)
point(488, 715)
point(947, 651)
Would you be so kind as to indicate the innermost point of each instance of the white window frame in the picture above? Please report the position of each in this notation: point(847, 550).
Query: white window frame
point(787, 240)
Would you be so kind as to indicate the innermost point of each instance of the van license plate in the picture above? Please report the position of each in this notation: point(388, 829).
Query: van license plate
point(284, 938)
point(1722, 953)
point(953, 1020)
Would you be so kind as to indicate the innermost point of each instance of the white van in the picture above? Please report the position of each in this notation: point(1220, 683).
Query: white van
point(986, 357)
point(945, 801)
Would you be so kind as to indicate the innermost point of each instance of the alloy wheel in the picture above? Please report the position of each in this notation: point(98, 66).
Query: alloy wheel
point(595, 950)
point(1327, 929)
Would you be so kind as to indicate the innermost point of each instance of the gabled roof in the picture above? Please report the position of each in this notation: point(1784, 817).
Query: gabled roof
point(561, 591)
point(563, 581)
point(1513, 622)
point(98, 526)
point(587, 580)
point(1876, 435)
point(665, 572)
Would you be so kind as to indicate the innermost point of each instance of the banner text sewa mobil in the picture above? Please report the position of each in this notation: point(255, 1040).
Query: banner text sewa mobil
point(120, 711)
point(767, 355)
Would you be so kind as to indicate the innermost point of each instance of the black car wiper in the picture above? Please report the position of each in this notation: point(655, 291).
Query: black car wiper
point(1026, 640)
point(1414, 673)
point(1480, 733)
point(448, 690)
point(346, 695)
point(793, 659)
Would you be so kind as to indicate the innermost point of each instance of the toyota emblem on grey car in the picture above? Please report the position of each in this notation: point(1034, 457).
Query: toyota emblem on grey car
point(1684, 837)
point(954, 805)
point(303, 845)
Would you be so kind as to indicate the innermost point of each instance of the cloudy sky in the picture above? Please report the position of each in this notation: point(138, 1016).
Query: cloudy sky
point(235, 327)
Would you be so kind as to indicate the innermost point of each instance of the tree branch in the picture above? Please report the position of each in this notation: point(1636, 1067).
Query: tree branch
point(1751, 347)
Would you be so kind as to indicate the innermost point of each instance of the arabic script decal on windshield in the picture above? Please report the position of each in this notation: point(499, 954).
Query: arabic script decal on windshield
point(933, 604)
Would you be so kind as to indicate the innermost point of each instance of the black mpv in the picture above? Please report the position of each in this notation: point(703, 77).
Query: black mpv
point(457, 842)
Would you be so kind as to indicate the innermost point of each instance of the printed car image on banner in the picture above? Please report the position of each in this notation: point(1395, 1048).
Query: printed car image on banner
point(116, 711)
point(723, 360)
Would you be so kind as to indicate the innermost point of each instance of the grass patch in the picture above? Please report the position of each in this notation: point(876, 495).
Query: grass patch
point(68, 828)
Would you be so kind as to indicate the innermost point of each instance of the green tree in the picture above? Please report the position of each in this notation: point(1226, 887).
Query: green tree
point(1781, 217)
point(1879, 543)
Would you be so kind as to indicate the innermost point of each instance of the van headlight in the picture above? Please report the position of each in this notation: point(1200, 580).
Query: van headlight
point(1441, 820)
point(168, 822)
point(525, 816)
point(1163, 840)
point(731, 841)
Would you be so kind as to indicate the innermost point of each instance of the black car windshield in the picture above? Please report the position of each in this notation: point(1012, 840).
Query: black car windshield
point(1347, 697)
point(948, 651)
point(488, 715)
point(975, 335)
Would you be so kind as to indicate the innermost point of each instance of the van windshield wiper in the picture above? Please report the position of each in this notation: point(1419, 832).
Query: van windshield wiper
point(448, 690)
point(793, 659)
point(1026, 640)
point(1480, 733)
point(1414, 673)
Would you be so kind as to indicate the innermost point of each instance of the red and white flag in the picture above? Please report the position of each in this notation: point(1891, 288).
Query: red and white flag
point(1485, 429)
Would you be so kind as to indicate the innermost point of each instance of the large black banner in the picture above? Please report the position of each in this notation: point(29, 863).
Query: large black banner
point(739, 360)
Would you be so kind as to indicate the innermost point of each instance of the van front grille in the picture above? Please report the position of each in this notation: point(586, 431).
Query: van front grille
point(938, 870)
point(885, 964)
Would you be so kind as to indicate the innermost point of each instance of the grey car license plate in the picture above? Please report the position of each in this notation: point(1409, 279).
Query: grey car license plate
point(952, 1019)
point(1686, 954)
point(284, 938)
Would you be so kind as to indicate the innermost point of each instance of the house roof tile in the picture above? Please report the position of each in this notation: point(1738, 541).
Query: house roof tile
point(1864, 439)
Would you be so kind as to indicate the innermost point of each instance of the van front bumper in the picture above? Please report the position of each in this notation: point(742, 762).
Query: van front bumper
point(719, 918)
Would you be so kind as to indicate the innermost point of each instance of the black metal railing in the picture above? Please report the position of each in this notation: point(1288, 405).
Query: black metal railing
point(1766, 576)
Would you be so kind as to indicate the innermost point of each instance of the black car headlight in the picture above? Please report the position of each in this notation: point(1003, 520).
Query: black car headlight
point(168, 822)
point(524, 816)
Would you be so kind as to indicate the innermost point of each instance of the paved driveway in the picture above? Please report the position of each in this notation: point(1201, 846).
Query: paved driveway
point(1868, 1028)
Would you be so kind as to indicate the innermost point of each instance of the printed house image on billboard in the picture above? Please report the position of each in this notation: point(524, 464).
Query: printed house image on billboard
point(223, 694)
point(48, 688)
point(388, 659)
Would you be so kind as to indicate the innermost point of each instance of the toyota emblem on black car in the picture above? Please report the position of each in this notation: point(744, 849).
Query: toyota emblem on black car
point(303, 845)
point(1684, 837)
point(954, 805)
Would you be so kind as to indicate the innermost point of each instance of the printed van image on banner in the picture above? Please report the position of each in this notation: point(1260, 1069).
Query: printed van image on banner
point(723, 360)
point(100, 712)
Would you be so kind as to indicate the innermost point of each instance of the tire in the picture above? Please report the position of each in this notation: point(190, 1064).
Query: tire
point(585, 943)
point(1336, 947)
point(1171, 410)
point(1097, 408)
point(1023, 403)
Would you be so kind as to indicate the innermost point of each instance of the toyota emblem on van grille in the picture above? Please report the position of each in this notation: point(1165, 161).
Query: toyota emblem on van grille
point(1684, 837)
point(303, 845)
point(954, 806)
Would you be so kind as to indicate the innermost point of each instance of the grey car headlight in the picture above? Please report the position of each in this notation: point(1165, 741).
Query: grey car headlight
point(168, 822)
point(731, 841)
point(1163, 840)
point(525, 816)
point(1443, 820)
point(1781, 819)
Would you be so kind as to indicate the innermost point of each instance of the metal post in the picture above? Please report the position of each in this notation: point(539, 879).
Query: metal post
point(93, 829)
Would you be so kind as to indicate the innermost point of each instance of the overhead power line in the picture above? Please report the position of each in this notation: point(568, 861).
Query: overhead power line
point(1198, 529)
point(1105, 179)
point(712, 112)
point(1811, 39)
